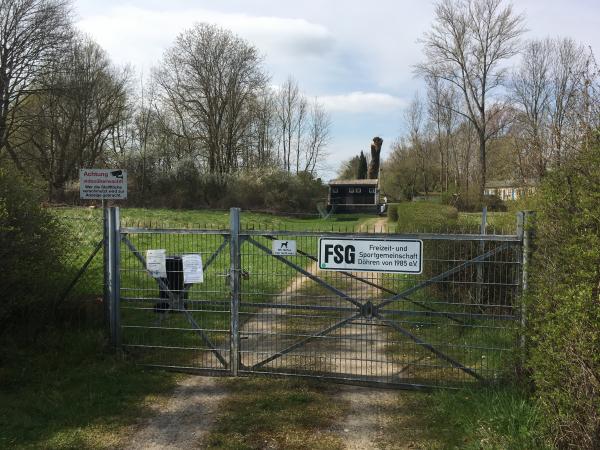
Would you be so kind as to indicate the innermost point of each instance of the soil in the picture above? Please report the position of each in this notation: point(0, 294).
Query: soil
point(185, 418)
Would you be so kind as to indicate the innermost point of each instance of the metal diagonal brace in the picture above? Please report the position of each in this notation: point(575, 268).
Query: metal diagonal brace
point(441, 276)
point(307, 274)
point(189, 317)
point(212, 257)
point(81, 271)
point(429, 347)
point(381, 288)
point(298, 344)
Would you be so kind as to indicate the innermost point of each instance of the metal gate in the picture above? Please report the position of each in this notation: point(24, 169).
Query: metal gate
point(457, 322)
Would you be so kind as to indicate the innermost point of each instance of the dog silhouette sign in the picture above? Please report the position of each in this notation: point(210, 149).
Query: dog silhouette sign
point(283, 247)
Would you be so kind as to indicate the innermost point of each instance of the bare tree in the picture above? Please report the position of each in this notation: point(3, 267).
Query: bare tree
point(136, 140)
point(568, 73)
point(531, 92)
point(265, 133)
point(301, 116)
point(303, 129)
point(79, 103)
point(442, 104)
point(318, 135)
point(31, 34)
point(466, 47)
point(464, 155)
point(349, 168)
point(288, 104)
point(208, 81)
point(414, 116)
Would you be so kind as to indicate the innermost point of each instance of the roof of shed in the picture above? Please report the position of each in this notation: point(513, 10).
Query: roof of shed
point(359, 182)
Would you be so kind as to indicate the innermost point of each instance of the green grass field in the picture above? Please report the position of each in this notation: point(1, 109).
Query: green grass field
point(69, 391)
point(435, 217)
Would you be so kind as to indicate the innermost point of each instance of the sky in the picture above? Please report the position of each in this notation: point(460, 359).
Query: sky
point(356, 57)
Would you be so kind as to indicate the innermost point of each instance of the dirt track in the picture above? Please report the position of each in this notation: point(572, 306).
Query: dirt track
point(191, 411)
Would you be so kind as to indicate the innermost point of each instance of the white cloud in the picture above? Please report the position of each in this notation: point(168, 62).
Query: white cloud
point(140, 36)
point(362, 102)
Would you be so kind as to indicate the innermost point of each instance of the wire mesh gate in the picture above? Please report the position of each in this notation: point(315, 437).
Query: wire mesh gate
point(456, 323)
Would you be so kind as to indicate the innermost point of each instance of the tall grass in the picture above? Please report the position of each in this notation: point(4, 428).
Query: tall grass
point(490, 418)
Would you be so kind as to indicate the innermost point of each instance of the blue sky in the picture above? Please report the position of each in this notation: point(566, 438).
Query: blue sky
point(356, 56)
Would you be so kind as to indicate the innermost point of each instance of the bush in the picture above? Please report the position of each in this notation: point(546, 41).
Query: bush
point(272, 190)
point(392, 212)
point(31, 255)
point(425, 216)
point(494, 203)
point(564, 302)
point(470, 202)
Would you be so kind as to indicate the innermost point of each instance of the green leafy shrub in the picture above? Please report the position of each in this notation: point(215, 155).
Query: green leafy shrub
point(392, 212)
point(564, 302)
point(425, 216)
point(494, 203)
point(471, 202)
point(32, 251)
point(273, 190)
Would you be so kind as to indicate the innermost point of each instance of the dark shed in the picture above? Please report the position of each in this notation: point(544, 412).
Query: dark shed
point(354, 195)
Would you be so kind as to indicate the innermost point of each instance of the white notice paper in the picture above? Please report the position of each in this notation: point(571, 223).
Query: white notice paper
point(192, 269)
point(156, 263)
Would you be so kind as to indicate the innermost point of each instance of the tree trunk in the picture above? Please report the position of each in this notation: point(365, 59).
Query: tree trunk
point(482, 166)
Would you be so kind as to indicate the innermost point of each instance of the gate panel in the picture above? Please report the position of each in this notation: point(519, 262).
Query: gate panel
point(165, 322)
point(455, 323)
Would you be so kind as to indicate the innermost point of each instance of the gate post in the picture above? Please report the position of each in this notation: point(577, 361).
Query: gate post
point(113, 279)
point(524, 233)
point(105, 259)
point(234, 284)
point(479, 280)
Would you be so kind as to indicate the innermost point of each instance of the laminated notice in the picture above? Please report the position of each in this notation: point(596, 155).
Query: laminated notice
point(156, 263)
point(192, 269)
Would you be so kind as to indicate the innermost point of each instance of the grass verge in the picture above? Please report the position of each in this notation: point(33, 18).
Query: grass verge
point(277, 413)
point(481, 418)
point(68, 392)
point(434, 217)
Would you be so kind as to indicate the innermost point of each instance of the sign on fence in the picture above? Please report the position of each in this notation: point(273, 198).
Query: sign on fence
point(283, 248)
point(192, 269)
point(371, 255)
point(156, 262)
point(107, 184)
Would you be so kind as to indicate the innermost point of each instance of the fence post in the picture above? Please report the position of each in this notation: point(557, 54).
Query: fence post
point(114, 240)
point(105, 259)
point(482, 231)
point(234, 283)
point(524, 232)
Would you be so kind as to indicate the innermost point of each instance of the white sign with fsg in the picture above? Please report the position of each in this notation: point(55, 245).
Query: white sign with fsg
point(283, 248)
point(108, 184)
point(371, 255)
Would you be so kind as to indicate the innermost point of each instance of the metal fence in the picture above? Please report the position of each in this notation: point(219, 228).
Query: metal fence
point(81, 291)
point(458, 322)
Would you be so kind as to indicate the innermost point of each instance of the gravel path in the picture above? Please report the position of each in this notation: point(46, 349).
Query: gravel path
point(362, 428)
point(192, 409)
point(185, 419)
